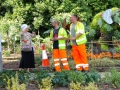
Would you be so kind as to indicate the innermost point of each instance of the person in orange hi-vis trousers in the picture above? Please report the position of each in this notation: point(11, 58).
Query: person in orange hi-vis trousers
point(59, 36)
point(78, 40)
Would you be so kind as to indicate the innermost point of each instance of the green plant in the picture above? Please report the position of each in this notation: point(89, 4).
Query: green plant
point(71, 64)
point(113, 78)
point(78, 86)
point(6, 53)
point(76, 76)
point(4, 75)
point(117, 49)
point(105, 79)
point(46, 84)
point(92, 77)
point(13, 84)
point(91, 86)
point(101, 62)
point(40, 75)
point(61, 78)
point(38, 60)
point(117, 62)
point(38, 50)
point(52, 64)
point(48, 45)
point(18, 49)
point(23, 77)
point(104, 47)
point(75, 86)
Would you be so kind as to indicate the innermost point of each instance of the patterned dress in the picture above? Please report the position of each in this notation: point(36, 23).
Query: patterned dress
point(27, 59)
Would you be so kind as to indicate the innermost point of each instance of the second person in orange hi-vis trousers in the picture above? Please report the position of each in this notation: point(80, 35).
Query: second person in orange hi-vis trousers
point(78, 40)
point(58, 36)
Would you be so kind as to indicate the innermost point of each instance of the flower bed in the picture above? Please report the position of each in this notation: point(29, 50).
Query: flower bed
point(68, 80)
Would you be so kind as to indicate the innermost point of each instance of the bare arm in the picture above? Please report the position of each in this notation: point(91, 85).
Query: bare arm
point(60, 38)
point(52, 39)
point(77, 36)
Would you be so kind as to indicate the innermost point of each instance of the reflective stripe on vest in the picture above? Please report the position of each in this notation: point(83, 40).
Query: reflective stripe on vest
point(61, 45)
point(80, 40)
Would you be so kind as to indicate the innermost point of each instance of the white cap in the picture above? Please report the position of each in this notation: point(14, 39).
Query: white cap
point(24, 26)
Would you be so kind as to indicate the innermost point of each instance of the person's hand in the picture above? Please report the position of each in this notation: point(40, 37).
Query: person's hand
point(52, 39)
point(56, 38)
point(73, 38)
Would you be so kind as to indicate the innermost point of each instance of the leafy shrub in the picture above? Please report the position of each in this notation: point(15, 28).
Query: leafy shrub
point(71, 64)
point(112, 77)
point(38, 50)
point(38, 60)
point(23, 77)
point(117, 62)
point(76, 76)
point(8, 74)
point(115, 78)
point(91, 86)
point(4, 75)
point(101, 62)
point(61, 78)
point(78, 86)
point(13, 84)
point(117, 49)
point(46, 84)
point(104, 47)
point(18, 49)
point(51, 64)
point(6, 53)
point(48, 44)
point(75, 86)
point(92, 77)
point(40, 75)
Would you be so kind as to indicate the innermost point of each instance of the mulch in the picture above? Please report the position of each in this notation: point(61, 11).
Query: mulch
point(11, 65)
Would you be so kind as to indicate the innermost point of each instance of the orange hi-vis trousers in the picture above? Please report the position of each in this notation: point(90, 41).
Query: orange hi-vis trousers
point(80, 57)
point(60, 55)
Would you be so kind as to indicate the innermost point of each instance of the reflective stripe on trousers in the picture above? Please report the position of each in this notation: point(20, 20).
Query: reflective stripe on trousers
point(60, 55)
point(80, 58)
point(82, 65)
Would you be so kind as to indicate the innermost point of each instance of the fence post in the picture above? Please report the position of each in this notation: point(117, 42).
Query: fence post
point(91, 49)
point(1, 64)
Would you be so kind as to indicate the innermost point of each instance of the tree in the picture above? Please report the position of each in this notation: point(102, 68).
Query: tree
point(37, 13)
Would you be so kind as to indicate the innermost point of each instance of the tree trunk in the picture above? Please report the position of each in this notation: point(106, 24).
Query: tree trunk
point(1, 65)
point(39, 39)
point(8, 41)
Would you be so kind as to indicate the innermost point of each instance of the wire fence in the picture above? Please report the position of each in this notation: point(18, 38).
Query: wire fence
point(97, 52)
point(94, 50)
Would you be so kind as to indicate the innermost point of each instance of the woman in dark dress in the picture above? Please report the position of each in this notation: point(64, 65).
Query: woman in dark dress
point(27, 60)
